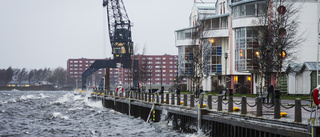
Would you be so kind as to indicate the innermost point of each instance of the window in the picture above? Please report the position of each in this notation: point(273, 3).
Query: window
point(163, 62)
point(80, 61)
point(164, 58)
point(250, 9)
point(246, 47)
point(157, 58)
point(149, 58)
point(75, 62)
point(157, 62)
point(71, 61)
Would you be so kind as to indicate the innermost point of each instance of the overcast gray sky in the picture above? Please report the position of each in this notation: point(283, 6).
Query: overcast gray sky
point(46, 33)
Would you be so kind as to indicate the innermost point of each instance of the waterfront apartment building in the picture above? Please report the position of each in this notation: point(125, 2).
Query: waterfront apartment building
point(230, 33)
point(154, 69)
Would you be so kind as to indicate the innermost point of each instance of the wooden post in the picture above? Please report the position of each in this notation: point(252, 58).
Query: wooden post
point(259, 106)
point(192, 100)
point(219, 108)
point(244, 105)
point(185, 100)
point(172, 99)
point(297, 111)
point(210, 101)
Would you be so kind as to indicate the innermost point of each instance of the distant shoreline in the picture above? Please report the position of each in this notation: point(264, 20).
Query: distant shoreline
point(35, 88)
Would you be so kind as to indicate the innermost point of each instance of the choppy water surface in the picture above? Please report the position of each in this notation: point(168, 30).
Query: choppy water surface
point(60, 113)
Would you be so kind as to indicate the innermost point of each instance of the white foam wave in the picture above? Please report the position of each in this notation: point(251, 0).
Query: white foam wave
point(65, 98)
point(41, 95)
point(59, 115)
point(26, 97)
point(94, 104)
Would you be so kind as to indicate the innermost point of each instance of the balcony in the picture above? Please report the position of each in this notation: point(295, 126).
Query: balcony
point(187, 36)
point(216, 26)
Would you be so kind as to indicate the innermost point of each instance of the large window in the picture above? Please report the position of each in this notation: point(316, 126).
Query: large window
point(246, 48)
point(212, 56)
point(248, 10)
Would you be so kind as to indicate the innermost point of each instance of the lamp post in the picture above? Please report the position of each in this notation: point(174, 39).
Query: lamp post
point(150, 78)
point(161, 77)
point(225, 77)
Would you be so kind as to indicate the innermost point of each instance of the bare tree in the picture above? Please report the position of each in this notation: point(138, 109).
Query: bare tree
point(278, 39)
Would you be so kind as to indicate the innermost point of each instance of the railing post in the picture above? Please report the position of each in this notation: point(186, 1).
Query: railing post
point(178, 99)
point(277, 104)
point(210, 101)
point(230, 103)
point(244, 105)
point(167, 98)
point(201, 100)
point(192, 100)
point(162, 98)
point(185, 100)
point(297, 111)
point(259, 106)
point(145, 96)
point(172, 99)
point(219, 108)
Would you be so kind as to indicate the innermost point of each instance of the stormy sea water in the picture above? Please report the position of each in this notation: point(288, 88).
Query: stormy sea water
point(60, 113)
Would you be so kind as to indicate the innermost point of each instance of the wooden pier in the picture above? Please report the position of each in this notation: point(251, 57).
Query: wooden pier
point(185, 118)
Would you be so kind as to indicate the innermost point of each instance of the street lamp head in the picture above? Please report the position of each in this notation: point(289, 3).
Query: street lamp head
point(257, 53)
point(211, 40)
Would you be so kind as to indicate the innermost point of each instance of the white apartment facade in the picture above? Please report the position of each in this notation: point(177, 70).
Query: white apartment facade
point(230, 26)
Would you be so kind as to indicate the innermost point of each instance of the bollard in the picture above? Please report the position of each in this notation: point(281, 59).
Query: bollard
point(210, 101)
point(219, 108)
point(178, 99)
point(244, 105)
point(158, 99)
point(145, 97)
point(172, 99)
point(162, 98)
point(259, 106)
point(230, 103)
point(277, 104)
point(185, 100)
point(191, 100)
point(297, 111)
point(167, 98)
point(201, 100)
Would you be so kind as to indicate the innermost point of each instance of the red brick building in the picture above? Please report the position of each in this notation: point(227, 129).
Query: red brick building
point(154, 68)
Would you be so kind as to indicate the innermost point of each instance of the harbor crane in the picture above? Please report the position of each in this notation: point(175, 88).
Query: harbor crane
point(119, 27)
